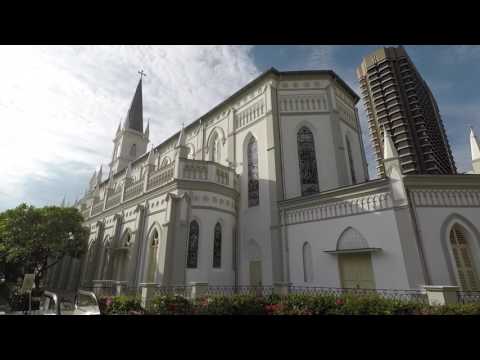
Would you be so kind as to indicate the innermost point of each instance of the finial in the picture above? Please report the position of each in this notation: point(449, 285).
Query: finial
point(142, 74)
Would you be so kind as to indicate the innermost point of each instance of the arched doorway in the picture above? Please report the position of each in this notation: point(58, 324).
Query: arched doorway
point(464, 261)
point(122, 257)
point(354, 260)
point(152, 256)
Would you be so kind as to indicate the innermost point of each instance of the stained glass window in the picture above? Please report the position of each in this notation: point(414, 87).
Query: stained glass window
point(307, 162)
point(192, 256)
point(217, 246)
point(350, 160)
point(252, 155)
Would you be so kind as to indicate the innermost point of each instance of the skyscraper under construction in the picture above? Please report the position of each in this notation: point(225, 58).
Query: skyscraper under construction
point(398, 99)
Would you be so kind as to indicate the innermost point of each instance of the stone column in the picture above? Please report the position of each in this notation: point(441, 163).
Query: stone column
point(198, 290)
point(148, 292)
point(442, 295)
point(281, 288)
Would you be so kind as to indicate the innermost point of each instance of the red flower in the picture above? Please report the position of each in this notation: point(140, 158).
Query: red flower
point(339, 302)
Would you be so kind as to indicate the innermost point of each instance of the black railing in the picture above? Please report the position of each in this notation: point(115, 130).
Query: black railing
point(189, 291)
point(240, 290)
point(466, 297)
point(406, 295)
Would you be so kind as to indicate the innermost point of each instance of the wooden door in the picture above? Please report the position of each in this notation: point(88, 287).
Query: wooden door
point(356, 271)
point(255, 273)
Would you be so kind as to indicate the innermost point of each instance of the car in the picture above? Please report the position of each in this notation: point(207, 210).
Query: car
point(84, 303)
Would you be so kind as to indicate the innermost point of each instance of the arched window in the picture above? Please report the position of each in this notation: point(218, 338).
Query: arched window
point(152, 262)
point(307, 162)
point(350, 160)
point(253, 188)
point(165, 162)
point(127, 240)
point(307, 263)
point(192, 256)
point(217, 246)
point(215, 148)
point(133, 150)
point(463, 259)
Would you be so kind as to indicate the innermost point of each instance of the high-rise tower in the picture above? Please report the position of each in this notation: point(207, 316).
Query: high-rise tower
point(397, 98)
point(130, 140)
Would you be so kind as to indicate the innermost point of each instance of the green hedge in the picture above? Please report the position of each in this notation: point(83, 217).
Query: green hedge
point(294, 304)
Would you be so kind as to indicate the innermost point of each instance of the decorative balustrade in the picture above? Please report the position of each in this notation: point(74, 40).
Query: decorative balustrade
point(133, 189)
point(196, 170)
point(114, 199)
point(97, 208)
point(161, 176)
point(208, 171)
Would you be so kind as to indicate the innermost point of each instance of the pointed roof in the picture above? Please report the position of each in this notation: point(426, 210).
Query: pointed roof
point(99, 176)
point(119, 128)
point(147, 130)
point(474, 147)
point(389, 150)
point(181, 138)
point(63, 202)
point(134, 118)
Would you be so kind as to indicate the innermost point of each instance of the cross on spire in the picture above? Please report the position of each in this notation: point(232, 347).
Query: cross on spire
point(142, 74)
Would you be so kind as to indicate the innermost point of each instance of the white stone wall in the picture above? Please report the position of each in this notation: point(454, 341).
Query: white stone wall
point(436, 212)
point(378, 228)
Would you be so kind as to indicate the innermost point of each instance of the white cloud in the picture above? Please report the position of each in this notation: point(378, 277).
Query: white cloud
point(61, 105)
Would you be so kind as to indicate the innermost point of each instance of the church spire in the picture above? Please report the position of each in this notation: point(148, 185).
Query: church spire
point(134, 118)
point(389, 150)
point(147, 130)
point(474, 147)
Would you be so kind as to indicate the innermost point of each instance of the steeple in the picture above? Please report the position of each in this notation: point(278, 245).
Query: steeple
point(389, 150)
point(119, 128)
point(130, 141)
point(134, 118)
point(391, 161)
point(181, 147)
point(147, 130)
point(475, 150)
point(99, 176)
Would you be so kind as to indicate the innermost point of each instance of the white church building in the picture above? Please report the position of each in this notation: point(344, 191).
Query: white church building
point(271, 187)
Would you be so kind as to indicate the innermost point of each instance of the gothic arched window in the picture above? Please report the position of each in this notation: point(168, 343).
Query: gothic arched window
point(192, 256)
point(463, 259)
point(217, 246)
point(307, 162)
point(215, 148)
point(253, 188)
point(152, 263)
point(350, 160)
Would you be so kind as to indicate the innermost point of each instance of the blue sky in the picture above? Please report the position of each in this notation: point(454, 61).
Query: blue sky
point(60, 105)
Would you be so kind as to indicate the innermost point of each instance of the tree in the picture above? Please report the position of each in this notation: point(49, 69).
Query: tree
point(39, 238)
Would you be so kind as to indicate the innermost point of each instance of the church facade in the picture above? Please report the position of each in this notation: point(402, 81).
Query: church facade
point(271, 187)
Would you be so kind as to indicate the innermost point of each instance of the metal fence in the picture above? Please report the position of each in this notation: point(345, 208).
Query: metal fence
point(394, 294)
point(189, 291)
point(466, 297)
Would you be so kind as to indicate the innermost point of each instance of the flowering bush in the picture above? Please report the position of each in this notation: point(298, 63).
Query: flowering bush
point(120, 305)
point(170, 305)
point(293, 304)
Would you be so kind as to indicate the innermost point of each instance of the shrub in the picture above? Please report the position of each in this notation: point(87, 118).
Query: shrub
point(231, 305)
point(120, 305)
point(170, 305)
point(293, 304)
